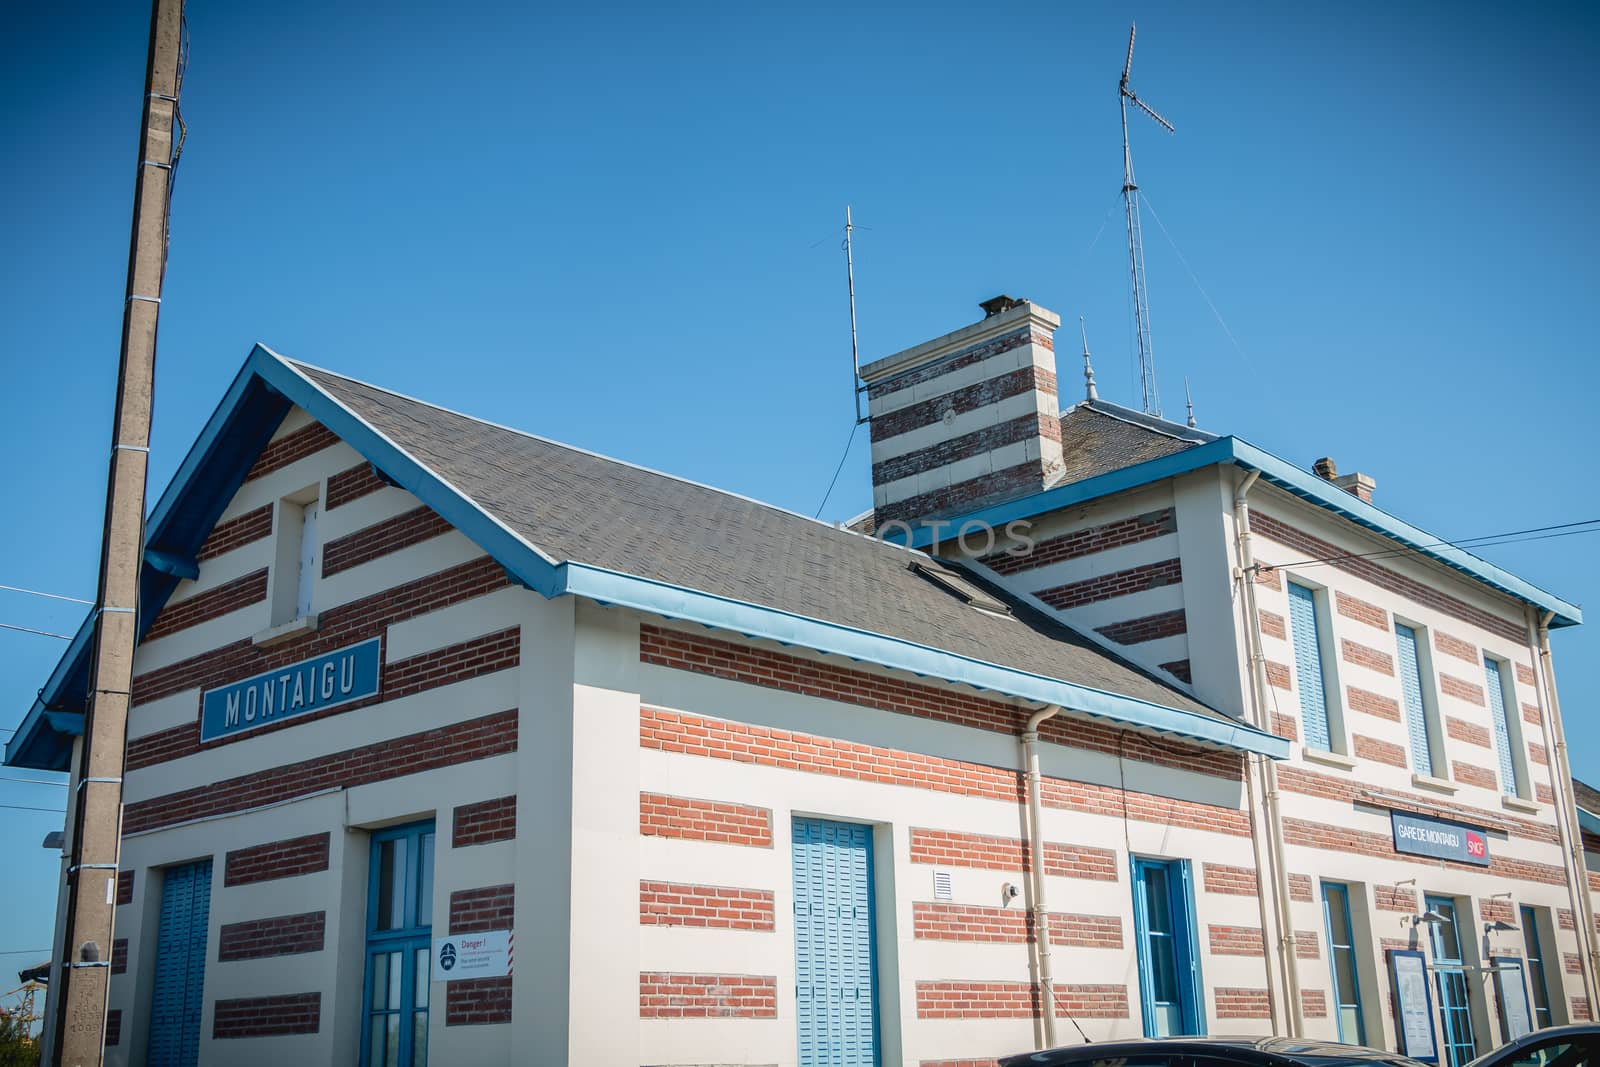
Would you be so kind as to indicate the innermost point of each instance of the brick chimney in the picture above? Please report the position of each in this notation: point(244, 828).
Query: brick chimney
point(968, 419)
point(1358, 485)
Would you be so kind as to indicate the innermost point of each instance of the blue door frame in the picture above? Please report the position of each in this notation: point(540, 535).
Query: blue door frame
point(1343, 964)
point(1455, 1009)
point(1169, 963)
point(399, 964)
point(836, 980)
point(179, 993)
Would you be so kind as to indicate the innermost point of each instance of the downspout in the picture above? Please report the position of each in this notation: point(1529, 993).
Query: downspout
point(1283, 982)
point(1566, 809)
point(1041, 915)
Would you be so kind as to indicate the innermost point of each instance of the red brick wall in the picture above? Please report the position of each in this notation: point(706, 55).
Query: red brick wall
point(1454, 646)
point(1461, 689)
point(1145, 628)
point(679, 732)
point(707, 996)
point(444, 666)
point(1300, 888)
point(1363, 656)
point(212, 604)
point(444, 746)
point(1108, 586)
point(704, 820)
point(1233, 1003)
point(306, 441)
point(477, 1001)
point(1525, 674)
point(1471, 774)
point(1360, 610)
point(1017, 1000)
point(952, 849)
point(704, 906)
point(1277, 675)
point(1358, 842)
point(1580, 1010)
point(119, 956)
point(276, 859)
point(1085, 542)
point(237, 532)
point(1274, 625)
point(474, 911)
point(292, 1013)
point(352, 484)
point(1235, 940)
point(1392, 898)
point(282, 935)
point(1313, 1003)
point(1223, 878)
point(124, 884)
point(1383, 577)
point(1371, 703)
point(484, 822)
point(1179, 668)
point(381, 538)
point(938, 921)
point(1310, 783)
point(777, 670)
point(1381, 751)
point(113, 1027)
point(1470, 732)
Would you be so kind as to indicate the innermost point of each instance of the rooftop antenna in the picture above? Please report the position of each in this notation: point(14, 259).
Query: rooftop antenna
point(1130, 197)
point(1089, 390)
point(850, 279)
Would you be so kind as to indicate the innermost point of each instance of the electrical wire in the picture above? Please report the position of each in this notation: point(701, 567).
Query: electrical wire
point(31, 630)
point(1195, 278)
point(25, 952)
point(835, 480)
point(24, 807)
point(1510, 537)
point(31, 781)
point(52, 596)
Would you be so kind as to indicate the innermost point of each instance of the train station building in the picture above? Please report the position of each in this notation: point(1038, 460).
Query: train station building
point(452, 742)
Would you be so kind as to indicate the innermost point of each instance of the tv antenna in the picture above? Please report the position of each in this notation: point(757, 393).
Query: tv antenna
point(1130, 197)
point(850, 279)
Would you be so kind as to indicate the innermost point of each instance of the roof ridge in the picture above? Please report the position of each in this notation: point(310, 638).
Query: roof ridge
point(1146, 421)
point(837, 527)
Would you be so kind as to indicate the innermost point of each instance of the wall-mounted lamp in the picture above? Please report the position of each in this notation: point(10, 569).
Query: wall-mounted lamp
point(1498, 926)
point(1431, 917)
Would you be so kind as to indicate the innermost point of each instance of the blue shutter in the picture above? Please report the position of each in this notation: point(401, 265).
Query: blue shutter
point(1502, 728)
point(1308, 666)
point(179, 991)
point(835, 980)
point(1405, 639)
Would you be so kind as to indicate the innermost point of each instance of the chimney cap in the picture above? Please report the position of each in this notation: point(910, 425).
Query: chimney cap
point(996, 305)
point(1325, 468)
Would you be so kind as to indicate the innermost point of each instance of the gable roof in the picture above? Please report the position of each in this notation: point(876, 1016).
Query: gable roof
point(563, 521)
point(1127, 449)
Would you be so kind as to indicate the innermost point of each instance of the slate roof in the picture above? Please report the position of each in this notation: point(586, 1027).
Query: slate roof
point(575, 505)
point(1098, 437)
point(1587, 797)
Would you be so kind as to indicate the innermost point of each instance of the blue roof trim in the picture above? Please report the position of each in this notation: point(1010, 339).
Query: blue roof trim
point(1588, 821)
point(265, 388)
point(1286, 476)
point(626, 590)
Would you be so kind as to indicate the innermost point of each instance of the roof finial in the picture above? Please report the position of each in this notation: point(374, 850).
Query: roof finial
point(1090, 393)
point(1188, 396)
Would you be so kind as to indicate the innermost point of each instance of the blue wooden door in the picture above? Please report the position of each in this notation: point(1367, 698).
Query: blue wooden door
point(1169, 981)
point(835, 964)
point(179, 990)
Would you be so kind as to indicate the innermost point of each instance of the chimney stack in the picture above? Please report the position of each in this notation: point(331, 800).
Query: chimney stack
point(1358, 485)
point(968, 419)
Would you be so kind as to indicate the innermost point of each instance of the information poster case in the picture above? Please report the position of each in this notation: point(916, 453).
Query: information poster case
point(1413, 998)
point(1515, 1018)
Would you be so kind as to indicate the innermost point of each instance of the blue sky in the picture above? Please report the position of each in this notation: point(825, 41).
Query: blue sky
point(619, 227)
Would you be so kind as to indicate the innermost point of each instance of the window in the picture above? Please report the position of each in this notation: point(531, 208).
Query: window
point(297, 560)
point(1310, 677)
point(1410, 661)
point(1450, 972)
point(1533, 957)
point(1507, 731)
point(1342, 959)
point(1169, 978)
point(399, 947)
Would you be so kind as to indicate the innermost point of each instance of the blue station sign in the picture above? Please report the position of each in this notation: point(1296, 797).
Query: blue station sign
point(315, 684)
point(1422, 836)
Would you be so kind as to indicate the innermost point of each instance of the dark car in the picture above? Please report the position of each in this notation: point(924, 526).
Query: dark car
point(1212, 1052)
point(1558, 1046)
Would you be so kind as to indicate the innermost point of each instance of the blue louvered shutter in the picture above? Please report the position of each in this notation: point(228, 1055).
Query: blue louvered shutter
point(1308, 666)
point(1405, 639)
point(1502, 727)
point(835, 980)
point(179, 990)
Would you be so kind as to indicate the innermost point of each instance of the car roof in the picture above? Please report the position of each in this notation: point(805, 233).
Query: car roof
point(1507, 1052)
point(1264, 1051)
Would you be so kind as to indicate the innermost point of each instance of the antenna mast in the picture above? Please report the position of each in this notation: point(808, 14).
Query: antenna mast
point(850, 279)
point(1130, 197)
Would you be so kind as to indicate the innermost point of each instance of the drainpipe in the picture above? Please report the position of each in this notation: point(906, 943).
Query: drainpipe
point(1283, 982)
point(1566, 809)
point(1041, 916)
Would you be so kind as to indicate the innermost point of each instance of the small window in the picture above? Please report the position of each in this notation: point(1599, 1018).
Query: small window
point(297, 560)
point(1533, 958)
point(1421, 711)
point(1507, 729)
point(1310, 668)
point(951, 580)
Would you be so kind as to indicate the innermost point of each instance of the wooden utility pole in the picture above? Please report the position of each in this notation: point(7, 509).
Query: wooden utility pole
point(85, 972)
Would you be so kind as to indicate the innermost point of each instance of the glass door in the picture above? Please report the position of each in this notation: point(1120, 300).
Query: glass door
point(399, 948)
point(1167, 978)
point(1342, 958)
point(1459, 1044)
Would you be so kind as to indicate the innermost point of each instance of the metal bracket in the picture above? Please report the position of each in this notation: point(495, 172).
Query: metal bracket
point(139, 296)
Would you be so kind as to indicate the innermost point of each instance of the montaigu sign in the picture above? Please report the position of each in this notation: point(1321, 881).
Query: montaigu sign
point(315, 684)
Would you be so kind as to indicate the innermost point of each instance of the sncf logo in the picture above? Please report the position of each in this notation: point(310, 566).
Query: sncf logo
point(1476, 846)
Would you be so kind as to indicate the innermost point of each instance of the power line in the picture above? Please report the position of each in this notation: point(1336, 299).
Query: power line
point(31, 781)
point(24, 807)
point(52, 596)
point(1543, 533)
point(835, 480)
point(25, 952)
point(31, 630)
